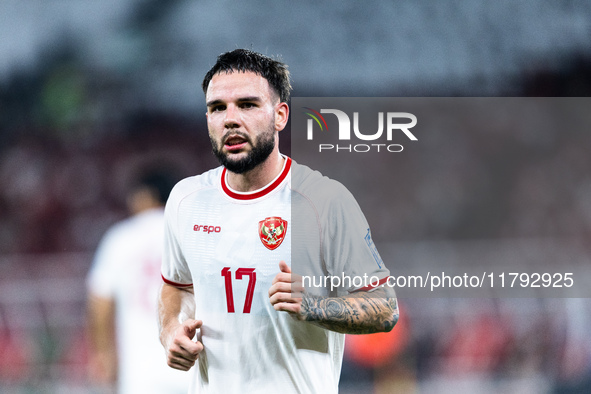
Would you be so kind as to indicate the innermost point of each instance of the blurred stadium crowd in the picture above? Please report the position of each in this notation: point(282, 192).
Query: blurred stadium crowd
point(60, 193)
point(67, 151)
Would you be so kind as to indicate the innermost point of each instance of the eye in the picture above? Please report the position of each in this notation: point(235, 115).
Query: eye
point(217, 108)
point(248, 105)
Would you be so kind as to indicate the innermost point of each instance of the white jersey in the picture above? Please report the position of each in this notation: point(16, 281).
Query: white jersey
point(126, 269)
point(228, 245)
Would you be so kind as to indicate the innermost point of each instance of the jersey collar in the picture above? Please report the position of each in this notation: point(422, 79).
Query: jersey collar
point(260, 192)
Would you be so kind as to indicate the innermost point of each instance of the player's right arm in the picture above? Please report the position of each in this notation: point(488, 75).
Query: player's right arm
point(176, 308)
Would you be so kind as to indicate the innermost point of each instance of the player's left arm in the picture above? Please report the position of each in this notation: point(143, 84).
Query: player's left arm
point(362, 312)
point(101, 332)
point(359, 313)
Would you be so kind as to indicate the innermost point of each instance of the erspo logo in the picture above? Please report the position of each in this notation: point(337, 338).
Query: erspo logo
point(391, 119)
point(207, 229)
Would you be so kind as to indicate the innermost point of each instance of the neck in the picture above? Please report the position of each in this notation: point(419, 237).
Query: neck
point(258, 177)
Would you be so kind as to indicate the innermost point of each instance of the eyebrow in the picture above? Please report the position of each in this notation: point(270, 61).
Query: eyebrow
point(240, 100)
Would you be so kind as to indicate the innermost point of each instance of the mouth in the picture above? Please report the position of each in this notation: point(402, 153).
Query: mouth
point(235, 143)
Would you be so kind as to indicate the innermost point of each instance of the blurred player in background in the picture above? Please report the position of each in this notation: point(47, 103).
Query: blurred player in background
point(228, 251)
point(123, 285)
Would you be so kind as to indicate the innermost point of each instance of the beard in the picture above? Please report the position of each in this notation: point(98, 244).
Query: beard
point(258, 154)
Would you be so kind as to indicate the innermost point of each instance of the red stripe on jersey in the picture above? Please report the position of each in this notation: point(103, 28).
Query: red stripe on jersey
point(373, 285)
point(267, 189)
point(169, 282)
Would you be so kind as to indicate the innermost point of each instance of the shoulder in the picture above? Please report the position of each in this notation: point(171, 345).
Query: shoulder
point(127, 229)
point(316, 187)
point(118, 231)
point(186, 187)
point(113, 241)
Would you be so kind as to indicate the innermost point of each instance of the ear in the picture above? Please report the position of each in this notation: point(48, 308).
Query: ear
point(281, 116)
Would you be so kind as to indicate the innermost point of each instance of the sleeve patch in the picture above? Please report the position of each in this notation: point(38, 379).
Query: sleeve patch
point(373, 249)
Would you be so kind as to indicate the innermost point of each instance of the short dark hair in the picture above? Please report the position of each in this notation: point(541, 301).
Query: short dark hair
point(158, 180)
point(274, 71)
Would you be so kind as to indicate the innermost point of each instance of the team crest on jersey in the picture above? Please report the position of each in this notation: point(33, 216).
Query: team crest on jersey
point(272, 231)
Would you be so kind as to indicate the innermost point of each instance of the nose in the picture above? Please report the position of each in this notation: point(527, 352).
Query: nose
point(232, 119)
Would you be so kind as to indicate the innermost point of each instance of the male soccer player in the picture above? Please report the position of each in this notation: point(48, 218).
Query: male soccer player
point(233, 235)
point(123, 286)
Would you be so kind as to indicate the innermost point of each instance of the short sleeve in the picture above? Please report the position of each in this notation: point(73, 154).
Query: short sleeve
point(102, 277)
point(348, 248)
point(175, 270)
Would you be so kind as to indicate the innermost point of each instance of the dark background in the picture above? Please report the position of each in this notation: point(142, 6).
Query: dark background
point(89, 90)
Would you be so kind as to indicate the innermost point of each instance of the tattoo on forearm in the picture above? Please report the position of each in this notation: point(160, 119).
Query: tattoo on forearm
point(361, 313)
